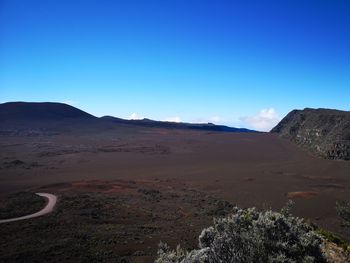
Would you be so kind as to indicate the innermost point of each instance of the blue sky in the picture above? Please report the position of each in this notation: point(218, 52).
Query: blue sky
point(241, 63)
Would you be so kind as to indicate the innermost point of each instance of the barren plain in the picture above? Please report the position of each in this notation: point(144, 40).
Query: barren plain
point(123, 189)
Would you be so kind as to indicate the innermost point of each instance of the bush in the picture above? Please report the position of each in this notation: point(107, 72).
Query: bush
point(251, 236)
point(343, 210)
point(331, 237)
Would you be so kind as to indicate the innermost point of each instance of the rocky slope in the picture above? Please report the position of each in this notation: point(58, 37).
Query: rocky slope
point(323, 131)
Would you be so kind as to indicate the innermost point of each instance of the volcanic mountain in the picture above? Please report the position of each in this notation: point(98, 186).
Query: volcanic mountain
point(52, 115)
point(176, 125)
point(35, 111)
point(33, 118)
point(325, 132)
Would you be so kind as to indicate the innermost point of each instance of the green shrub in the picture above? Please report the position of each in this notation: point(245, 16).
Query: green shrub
point(166, 255)
point(251, 236)
point(343, 210)
point(334, 238)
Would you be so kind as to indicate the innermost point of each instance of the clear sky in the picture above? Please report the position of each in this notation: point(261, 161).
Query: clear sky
point(241, 63)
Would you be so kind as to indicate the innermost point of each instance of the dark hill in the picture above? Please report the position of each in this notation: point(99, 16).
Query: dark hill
point(40, 111)
point(35, 118)
point(176, 125)
point(325, 132)
point(58, 116)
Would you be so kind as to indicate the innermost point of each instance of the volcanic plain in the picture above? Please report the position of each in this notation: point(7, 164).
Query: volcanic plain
point(124, 188)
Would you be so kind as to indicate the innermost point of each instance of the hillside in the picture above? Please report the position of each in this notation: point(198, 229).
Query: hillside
point(325, 132)
point(60, 116)
point(40, 111)
point(176, 125)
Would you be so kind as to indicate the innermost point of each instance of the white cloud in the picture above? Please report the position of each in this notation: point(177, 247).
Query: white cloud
point(173, 119)
point(135, 116)
point(265, 120)
point(215, 119)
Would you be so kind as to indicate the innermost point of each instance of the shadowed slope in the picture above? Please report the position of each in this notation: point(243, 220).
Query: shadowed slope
point(40, 111)
point(325, 132)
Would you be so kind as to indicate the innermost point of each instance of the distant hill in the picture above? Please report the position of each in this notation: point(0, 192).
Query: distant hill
point(176, 125)
point(40, 111)
point(325, 132)
point(50, 115)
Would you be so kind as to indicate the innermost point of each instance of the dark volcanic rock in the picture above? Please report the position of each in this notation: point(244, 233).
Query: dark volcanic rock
point(323, 131)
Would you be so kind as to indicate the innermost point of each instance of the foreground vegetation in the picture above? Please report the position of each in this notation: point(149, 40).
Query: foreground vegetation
point(20, 204)
point(126, 227)
point(122, 226)
point(343, 210)
point(252, 236)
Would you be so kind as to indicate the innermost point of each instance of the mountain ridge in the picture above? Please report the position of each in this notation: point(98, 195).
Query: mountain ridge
point(176, 125)
point(325, 132)
point(34, 114)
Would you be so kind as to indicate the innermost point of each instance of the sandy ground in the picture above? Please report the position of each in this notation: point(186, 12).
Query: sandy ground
point(247, 169)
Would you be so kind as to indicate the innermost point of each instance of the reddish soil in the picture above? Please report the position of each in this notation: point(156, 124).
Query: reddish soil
point(292, 195)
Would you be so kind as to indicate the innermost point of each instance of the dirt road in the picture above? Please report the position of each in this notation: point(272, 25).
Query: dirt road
point(52, 199)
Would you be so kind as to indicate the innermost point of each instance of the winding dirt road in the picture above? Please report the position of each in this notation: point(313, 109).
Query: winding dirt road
point(52, 199)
